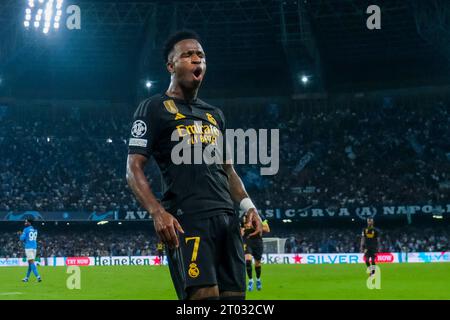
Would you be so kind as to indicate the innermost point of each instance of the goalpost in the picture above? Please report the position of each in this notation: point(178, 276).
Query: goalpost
point(274, 245)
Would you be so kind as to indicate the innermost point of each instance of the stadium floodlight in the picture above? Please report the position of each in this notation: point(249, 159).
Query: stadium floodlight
point(109, 140)
point(119, 222)
point(45, 11)
point(48, 15)
point(36, 24)
point(26, 24)
point(67, 223)
point(48, 139)
point(148, 84)
point(304, 79)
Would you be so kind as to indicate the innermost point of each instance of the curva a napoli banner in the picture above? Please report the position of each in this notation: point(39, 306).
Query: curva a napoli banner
point(361, 212)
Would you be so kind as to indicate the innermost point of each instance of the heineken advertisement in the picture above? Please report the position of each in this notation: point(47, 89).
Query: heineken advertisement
point(297, 258)
point(310, 212)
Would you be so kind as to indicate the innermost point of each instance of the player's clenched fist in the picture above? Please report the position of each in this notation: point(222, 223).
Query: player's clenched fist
point(254, 220)
point(165, 226)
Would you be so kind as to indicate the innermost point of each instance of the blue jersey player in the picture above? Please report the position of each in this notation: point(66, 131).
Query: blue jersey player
point(29, 239)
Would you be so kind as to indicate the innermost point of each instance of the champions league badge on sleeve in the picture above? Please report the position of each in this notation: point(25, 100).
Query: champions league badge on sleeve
point(138, 130)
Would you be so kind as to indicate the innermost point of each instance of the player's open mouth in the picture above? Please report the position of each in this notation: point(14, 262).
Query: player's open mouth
point(198, 73)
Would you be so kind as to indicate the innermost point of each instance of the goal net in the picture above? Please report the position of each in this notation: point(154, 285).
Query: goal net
point(274, 245)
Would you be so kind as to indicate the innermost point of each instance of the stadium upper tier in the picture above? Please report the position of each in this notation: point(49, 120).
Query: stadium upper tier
point(383, 154)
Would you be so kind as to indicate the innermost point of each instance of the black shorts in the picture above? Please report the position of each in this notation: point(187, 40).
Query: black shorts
point(370, 253)
point(210, 253)
point(254, 247)
point(160, 252)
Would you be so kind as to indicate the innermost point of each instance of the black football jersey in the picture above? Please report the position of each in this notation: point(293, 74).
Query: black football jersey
point(189, 189)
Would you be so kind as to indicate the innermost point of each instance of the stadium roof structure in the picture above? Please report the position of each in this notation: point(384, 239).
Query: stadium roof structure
point(247, 42)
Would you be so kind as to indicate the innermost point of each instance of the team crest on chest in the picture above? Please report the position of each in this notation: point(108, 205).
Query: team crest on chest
point(211, 119)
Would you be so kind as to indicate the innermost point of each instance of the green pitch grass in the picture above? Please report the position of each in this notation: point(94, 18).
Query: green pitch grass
point(292, 282)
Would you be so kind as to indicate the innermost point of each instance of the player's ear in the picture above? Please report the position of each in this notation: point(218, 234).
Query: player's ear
point(170, 67)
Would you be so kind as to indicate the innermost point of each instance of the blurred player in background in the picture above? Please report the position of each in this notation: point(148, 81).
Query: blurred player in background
point(29, 239)
point(160, 249)
point(253, 247)
point(369, 245)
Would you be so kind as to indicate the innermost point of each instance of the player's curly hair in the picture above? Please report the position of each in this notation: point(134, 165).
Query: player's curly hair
point(175, 38)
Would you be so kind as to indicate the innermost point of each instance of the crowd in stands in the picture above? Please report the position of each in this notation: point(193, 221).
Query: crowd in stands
point(410, 239)
point(393, 153)
point(383, 156)
point(78, 244)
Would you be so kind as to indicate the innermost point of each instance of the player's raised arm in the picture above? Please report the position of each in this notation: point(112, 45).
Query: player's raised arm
point(165, 224)
point(240, 196)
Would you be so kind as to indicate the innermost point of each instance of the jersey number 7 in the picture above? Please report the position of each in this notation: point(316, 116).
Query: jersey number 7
point(196, 245)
